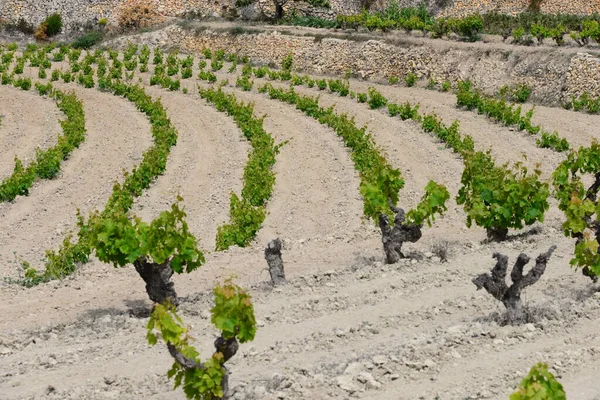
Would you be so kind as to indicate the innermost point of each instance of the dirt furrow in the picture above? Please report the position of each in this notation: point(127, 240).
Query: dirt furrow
point(27, 121)
point(205, 166)
point(117, 134)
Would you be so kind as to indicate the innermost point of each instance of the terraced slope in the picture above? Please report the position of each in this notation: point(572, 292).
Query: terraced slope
point(347, 326)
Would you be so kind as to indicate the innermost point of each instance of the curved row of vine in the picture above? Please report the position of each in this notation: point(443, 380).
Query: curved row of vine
point(47, 163)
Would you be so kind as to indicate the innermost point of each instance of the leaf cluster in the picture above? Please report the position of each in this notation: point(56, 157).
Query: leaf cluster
point(580, 207)
point(499, 197)
point(433, 202)
point(539, 384)
point(584, 102)
point(120, 240)
point(232, 314)
point(201, 383)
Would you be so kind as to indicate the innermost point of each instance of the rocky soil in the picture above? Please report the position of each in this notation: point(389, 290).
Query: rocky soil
point(347, 326)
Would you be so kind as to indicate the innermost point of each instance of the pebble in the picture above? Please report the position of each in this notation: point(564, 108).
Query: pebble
point(368, 380)
point(455, 354)
point(380, 360)
point(346, 382)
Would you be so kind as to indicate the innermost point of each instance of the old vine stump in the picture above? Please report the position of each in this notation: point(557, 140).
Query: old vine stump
point(158, 280)
point(510, 296)
point(394, 237)
point(275, 262)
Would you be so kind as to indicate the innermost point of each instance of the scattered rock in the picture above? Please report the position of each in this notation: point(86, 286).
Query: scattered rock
point(380, 360)
point(368, 380)
point(346, 382)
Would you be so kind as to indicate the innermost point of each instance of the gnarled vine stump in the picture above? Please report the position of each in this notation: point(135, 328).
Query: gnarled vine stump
point(158, 280)
point(227, 347)
point(496, 234)
point(394, 237)
point(275, 262)
point(510, 296)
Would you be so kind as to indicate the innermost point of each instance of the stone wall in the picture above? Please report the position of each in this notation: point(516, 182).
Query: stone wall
point(554, 74)
point(77, 13)
point(465, 7)
point(583, 76)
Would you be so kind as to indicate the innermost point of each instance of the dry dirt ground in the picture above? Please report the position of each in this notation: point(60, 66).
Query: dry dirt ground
point(347, 326)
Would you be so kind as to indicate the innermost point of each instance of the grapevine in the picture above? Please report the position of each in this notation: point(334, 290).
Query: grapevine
point(580, 206)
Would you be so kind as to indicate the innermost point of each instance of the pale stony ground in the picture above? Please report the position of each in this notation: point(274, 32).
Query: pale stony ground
point(347, 326)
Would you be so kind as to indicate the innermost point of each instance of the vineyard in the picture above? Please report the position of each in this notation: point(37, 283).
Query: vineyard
point(394, 204)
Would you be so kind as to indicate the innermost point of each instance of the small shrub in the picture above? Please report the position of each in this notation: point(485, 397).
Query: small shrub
point(521, 93)
point(244, 83)
point(558, 34)
point(287, 63)
point(47, 163)
point(103, 22)
point(518, 34)
point(470, 27)
point(446, 86)
point(499, 197)
point(376, 99)
point(431, 84)
point(394, 80)
point(87, 40)
point(40, 32)
point(410, 79)
point(362, 97)
point(53, 24)
point(136, 14)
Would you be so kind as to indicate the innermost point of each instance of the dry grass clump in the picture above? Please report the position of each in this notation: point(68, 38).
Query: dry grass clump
point(136, 14)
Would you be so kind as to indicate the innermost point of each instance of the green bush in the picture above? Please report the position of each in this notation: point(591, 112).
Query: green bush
point(310, 21)
point(47, 163)
point(87, 40)
point(342, 87)
point(498, 197)
point(376, 99)
point(470, 27)
point(446, 86)
point(53, 24)
point(410, 79)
